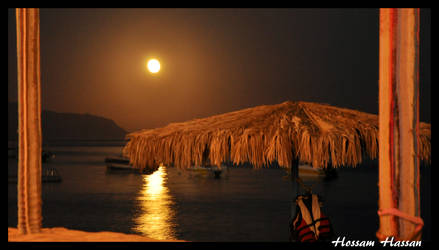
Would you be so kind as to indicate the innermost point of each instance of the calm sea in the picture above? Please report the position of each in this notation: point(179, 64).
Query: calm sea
point(243, 205)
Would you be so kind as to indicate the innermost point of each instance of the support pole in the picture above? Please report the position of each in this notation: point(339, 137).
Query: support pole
point(295, 188)
point(29, 121)
point(295, 175)
point(399, 124)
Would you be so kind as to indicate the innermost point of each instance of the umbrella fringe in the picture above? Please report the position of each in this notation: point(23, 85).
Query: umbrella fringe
point(317, 134)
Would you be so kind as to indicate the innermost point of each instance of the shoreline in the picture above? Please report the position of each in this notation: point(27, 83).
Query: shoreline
point(61, 234)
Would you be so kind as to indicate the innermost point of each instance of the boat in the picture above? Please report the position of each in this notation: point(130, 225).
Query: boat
point(307, 171)
point(46, 156)
point(118, 163)
point(47, 175)
point(215, 171)
point(121, 164)
point(51, 175)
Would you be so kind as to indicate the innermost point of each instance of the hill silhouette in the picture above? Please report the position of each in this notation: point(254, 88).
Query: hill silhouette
point(68, 126)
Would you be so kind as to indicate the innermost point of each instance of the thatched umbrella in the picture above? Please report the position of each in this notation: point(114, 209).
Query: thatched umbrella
point(318, 134)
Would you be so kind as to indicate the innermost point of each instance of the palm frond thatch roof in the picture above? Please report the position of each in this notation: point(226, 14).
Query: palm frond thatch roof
point(317, 134)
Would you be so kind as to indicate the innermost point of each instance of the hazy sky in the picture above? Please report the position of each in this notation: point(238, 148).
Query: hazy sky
point(213, 61)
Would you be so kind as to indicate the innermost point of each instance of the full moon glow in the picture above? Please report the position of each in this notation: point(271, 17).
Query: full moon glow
point(153, 66)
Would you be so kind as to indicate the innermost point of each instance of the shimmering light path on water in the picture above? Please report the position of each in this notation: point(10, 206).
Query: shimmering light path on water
point(157, 207)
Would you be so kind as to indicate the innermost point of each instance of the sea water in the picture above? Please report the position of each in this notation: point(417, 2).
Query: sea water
point(243, 205)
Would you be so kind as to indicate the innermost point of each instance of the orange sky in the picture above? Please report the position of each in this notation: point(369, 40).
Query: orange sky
point(212, 61)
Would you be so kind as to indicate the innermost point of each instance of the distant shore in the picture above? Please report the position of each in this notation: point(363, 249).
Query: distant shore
point(77, 142)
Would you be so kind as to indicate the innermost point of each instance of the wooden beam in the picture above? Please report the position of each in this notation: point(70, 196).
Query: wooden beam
point(407, 89)
point(29, 121)
point(398, 121)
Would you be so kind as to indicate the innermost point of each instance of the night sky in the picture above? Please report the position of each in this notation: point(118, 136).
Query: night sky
point(213, 61)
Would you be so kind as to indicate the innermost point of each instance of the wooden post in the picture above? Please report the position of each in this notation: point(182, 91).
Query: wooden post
point(295, 174)
point(29, 121)
point(295, 188)
point(408, 105)
point(399, 122)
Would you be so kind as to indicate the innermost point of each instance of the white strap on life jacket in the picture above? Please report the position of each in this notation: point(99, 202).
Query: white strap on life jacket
point(315, 213)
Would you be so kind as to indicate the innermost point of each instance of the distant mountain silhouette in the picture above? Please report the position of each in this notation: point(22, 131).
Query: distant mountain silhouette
point(68, 126)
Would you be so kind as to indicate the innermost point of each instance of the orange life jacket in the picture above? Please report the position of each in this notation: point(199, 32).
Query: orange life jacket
point(309, 224)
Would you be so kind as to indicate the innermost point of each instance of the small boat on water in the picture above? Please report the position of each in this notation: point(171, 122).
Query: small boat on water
point(51, 175)
point(47, 175)
point(208, 169)
point(46, 156)
point(118, 163)
point(121, 164)
point(307, 171)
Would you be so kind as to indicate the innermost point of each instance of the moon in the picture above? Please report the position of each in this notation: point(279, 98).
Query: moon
point(153, 66)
